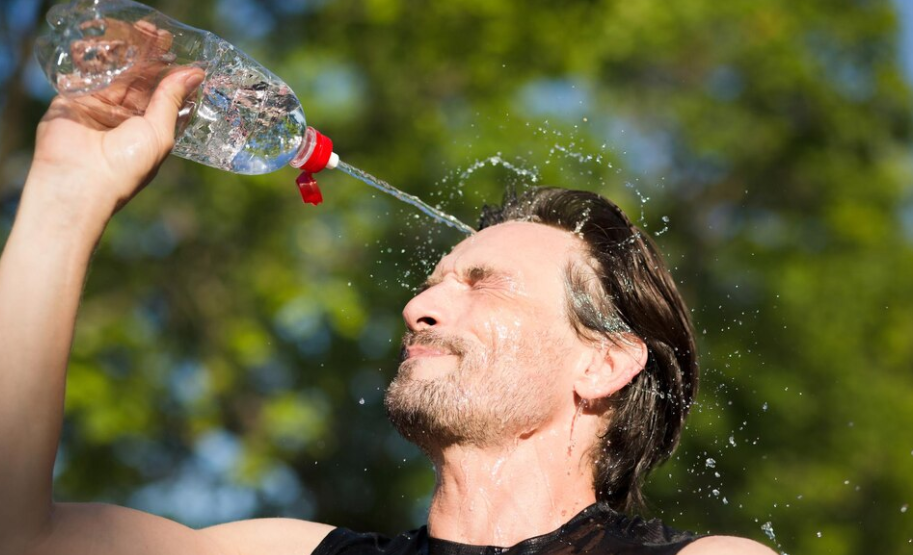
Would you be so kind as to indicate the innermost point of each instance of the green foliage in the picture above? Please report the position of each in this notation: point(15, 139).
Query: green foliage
point(232, 336)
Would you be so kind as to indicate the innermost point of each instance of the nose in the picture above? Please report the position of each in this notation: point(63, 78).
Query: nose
point(425, 310)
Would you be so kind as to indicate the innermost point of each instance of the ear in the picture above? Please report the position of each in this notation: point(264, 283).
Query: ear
point(613, 365)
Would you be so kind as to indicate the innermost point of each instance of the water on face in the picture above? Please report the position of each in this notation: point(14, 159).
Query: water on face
point(247, 120)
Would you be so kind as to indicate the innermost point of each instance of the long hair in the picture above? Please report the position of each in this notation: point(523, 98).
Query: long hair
point(622, 288)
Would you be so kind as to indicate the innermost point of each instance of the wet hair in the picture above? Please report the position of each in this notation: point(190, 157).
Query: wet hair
point(619, 287)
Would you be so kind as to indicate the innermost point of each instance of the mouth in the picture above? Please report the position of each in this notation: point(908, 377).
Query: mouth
point(424, 351)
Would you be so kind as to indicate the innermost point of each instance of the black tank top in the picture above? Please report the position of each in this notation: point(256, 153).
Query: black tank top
point(597, 530)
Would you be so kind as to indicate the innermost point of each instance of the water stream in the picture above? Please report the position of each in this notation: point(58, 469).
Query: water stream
point(438, 215)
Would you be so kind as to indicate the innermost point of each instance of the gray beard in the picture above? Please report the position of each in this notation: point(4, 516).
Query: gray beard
point(476, 404)
point(436, 414)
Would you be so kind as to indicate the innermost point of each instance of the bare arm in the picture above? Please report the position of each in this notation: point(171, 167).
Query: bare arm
point(82, 172)
point(726, 545)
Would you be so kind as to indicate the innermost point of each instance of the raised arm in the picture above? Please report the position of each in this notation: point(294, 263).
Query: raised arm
point(82, 172)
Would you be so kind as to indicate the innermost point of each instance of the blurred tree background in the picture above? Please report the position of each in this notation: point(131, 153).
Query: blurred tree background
point(233, 344)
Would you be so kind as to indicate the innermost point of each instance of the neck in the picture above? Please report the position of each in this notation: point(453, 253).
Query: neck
point(505, 494)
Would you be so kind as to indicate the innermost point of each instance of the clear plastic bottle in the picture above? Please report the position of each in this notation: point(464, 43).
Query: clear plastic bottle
point(111, 54)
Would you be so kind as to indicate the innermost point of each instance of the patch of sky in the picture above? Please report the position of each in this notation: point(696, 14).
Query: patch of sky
point(905, 13)
point(338, 87)
point(154, 310)
point(294, 7)
point(143, 454)
point(217, 452)
point(188, 382)
point(324, 83)
point(7, 63)
point(200, 493)
point(725, 83)
point(564, 98)
point(280, 485)
point(18, 18)
point(196, 499)
point(35, 82)
point(246, 18)
point(297, 318)
point(847, 70)
point(645, 151)
point(301, 322)
point(906, 219)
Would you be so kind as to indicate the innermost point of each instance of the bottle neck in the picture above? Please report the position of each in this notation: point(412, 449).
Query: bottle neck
point(316, 152)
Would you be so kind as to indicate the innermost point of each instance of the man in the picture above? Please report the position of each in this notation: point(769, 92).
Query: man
point(523, 377)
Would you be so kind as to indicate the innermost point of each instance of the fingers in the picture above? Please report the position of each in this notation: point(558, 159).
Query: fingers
point(168, 98)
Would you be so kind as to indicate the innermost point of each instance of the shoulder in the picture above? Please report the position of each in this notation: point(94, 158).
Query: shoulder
point(276, 536)
point(726, 545)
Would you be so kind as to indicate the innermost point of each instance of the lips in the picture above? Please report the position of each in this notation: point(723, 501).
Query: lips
point(430, 343)
point(416, 351)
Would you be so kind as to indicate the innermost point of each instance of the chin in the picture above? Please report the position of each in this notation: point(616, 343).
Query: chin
point(425, 367)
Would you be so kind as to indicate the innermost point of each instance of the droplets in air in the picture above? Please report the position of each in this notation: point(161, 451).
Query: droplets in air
point(529, 174)
point(768, 530)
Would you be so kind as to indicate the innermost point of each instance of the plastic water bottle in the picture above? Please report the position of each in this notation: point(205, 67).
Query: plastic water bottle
point(109, 55)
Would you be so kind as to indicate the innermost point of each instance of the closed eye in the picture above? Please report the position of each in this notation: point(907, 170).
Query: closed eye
point(483, 277)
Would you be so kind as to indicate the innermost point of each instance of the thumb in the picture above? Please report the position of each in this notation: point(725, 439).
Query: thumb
point(169, 96)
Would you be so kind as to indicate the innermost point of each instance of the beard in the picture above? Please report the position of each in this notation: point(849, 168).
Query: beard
point(485, 401)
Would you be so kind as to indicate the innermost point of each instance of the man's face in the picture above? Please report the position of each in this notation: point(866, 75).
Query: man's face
point(489, 343)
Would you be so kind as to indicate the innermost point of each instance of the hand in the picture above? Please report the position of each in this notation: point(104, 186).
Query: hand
point(86, 165)
point(142, 45)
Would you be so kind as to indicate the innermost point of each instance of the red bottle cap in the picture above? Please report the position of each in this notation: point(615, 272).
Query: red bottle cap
point(321, 155)
point(307, 186)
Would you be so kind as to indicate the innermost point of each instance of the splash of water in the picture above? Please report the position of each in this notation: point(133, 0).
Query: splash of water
point(436, 214)
point(497, 160)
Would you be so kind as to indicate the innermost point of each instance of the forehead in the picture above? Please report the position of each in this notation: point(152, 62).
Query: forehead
point(515, 248)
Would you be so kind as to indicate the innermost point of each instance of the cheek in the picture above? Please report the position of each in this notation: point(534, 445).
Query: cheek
point(503, 328)
point(514, 339)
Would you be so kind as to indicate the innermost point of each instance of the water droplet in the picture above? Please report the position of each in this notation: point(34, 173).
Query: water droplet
point(768, 529)
point(905, 508)
point(818, 534)
point(710, 463)
point(361, 401)
point(764, 407)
